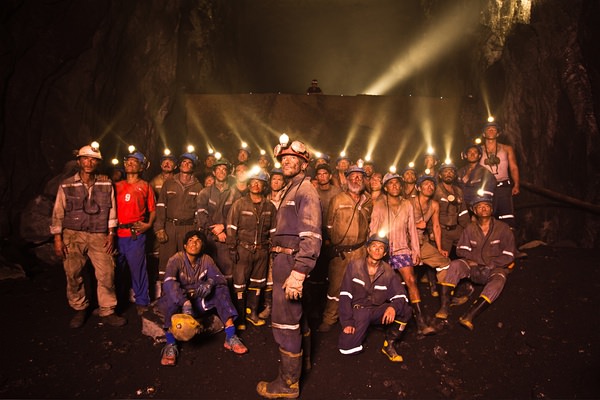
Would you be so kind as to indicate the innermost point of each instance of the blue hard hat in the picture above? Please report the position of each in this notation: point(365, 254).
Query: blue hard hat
point(190, 156)
point(260, 175)
point(376, 238)
point(484, 198)
point(424, 178)
point(138, 156)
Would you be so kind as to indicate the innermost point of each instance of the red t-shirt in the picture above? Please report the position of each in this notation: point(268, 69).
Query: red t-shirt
point(134, 201)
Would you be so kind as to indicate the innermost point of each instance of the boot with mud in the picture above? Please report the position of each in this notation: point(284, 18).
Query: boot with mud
point(287, 384)
point(444, 302)
point(422, 327)
point(392, 336)
point(476, 308)
point(266, 312)
point(240, 306)
point(252, 305)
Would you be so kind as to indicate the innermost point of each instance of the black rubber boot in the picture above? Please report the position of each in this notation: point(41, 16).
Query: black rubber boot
point(266, 312)
point(252, 304)
point(444, 302)
point(476, 308)
point(422, 326)
point(433, 286)
point(306, 349)
point(392, 336)
point(240, 306)
point(287, 384)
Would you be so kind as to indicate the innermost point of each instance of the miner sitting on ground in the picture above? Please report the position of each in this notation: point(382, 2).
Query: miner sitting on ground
point(193, 286)
point(372, 294)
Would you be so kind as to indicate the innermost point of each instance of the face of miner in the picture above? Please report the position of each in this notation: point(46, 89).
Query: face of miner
point(88, 164)
point(167, 165)
point(356, 182)
point(292, 165)
point(220, 172)
point(375, 181)
point(409, 176)
point(193, 246)
point(393, 187)
point(473, 155)
point(323, 177)
point(448, 175)
point(132, 165)
point(256, 186)
point(483, 209)
point(427, 188)
point(376, 250)
point(277, 182)
point(186, 166)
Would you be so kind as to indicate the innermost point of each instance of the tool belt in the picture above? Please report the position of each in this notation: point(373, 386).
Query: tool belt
point(125, 226)
point(358, 306)
point(252, 247)
point(449, 227)
point(179, 222)
point(340, 250)
point(284, 250)
point(504, 183)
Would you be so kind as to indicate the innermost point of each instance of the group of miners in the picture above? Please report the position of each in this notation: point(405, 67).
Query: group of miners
point(255, 243)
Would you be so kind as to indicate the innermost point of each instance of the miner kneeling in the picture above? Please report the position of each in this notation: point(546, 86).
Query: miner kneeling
point(194, 286)
point(372, 294)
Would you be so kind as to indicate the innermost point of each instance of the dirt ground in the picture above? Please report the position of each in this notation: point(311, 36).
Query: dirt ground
point(539, 340)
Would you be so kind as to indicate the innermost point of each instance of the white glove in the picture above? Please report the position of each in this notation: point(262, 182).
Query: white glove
point(293, 285)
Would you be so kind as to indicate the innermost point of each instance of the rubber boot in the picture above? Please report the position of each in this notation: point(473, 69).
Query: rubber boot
point(392, 336)
point(266, 312)
point(252, 305)
point(240, 306)
point(444, 302)
point(433, 289)
point(306, 349)
point(476, 308)
point(422, 326)
point(287, 384)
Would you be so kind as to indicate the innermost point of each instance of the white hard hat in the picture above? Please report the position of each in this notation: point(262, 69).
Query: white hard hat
point(89, 151)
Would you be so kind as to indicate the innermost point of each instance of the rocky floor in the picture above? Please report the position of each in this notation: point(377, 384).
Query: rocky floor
point(539, 340)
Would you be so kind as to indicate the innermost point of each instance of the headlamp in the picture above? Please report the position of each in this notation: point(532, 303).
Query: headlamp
point(190, 148)
point(131, 148)
point(284, 139)
point(167, 152)
point(114, 161)
point(95, 146)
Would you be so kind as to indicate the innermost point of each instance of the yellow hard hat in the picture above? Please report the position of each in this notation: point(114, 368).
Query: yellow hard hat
point(184, 326)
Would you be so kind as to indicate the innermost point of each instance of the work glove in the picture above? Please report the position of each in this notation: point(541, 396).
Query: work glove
point(293, 285)
point(187, 308)
point(204, 288)
point(161, 236)
point(234, 255)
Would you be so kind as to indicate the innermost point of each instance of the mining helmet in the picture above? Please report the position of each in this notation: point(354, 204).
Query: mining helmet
point(89, 151)
point(378, 238)
point(184, 326)
point(482, 198)
point(295, 148)
point(424, 178)
point(324, 157)
point(448, 165)
point(389, 176)
point(409, 168)
point(276, 171)
point(354, 168)
point(138, 156)
point(323, 166)
point(190, 156)
point(222, 161)
point(260, 175)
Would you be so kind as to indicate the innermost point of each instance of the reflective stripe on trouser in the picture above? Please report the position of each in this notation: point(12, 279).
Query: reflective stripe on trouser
point(503, 205)
point(132, 253)
point(79, 245)
point(494, 279)
point(219, 300)
point(251, 270)
point(286, 314)
point(365, 317)
point(337, 269)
